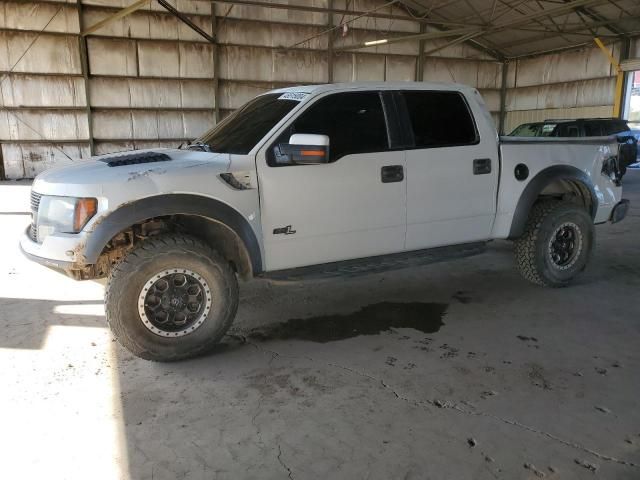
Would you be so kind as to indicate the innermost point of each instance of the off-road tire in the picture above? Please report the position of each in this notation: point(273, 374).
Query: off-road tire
point(157, 254)
point(533, 249)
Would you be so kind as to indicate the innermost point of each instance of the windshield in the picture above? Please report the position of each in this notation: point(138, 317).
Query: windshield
point(245, 127)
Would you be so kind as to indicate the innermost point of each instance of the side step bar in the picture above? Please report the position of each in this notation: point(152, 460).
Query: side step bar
point(379, 264)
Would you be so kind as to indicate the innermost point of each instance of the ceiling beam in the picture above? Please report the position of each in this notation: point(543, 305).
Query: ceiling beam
point(574, 31)
point(594, 16)
point(549, 51)
point(551, 12)
point(499, 12)
point(560, 10)
point(455, 41)
point(404, 38)
point(116, 16)
point(310, 8)
point(492, 52)
point(186, 20)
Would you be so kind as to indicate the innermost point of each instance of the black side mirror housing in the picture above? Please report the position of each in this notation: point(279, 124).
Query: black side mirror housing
point(303, 149)
point(287, 154)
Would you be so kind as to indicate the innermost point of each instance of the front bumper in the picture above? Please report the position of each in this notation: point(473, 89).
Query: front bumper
point(57, 251)
point(57, 265)
point(620, 210)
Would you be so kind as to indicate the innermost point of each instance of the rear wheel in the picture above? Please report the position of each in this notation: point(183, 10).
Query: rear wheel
point(556, 244)
point(171, 298)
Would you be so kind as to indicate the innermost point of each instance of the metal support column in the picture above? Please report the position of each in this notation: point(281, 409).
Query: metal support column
point(617, 102)
point(84, 65)
point(625, 52)
point(330, 42)
point(420, 61)
point(2, 173)
point(503, 97)
point(216, 64)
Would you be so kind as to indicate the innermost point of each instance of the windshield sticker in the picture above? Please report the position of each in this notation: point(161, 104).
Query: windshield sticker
point(298, 96)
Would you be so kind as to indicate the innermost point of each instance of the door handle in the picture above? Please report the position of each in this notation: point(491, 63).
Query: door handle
point(392, 173)
point(481, 166)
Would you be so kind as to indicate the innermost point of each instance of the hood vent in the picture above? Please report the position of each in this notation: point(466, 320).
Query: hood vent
point(135, 158)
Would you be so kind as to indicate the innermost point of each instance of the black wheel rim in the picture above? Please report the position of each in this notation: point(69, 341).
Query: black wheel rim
point(174, 302)
point(565, 245)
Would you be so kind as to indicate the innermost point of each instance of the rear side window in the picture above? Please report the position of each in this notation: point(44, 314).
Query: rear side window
point(354, 123)
point(593, 129)
point(567, 130)
point(440, 119)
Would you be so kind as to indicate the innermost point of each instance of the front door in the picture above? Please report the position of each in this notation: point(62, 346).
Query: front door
point(352, 207)
point(452, 171)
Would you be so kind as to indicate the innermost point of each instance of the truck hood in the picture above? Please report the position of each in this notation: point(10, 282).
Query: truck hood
point(95, 177)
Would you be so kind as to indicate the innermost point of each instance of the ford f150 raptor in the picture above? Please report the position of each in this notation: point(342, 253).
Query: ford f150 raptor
point(315, 181)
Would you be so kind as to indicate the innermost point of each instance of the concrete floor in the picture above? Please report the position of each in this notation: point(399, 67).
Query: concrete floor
point(505, 380)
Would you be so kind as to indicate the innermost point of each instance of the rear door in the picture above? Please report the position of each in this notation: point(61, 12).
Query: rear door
point(452, 170)
point(352, 207)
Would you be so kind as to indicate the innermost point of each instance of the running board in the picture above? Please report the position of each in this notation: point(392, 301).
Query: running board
point(379, 264)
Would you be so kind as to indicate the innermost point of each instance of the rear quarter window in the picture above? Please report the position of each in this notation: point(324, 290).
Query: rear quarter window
point(611, 128)
point(440, 119)
point(593, 129)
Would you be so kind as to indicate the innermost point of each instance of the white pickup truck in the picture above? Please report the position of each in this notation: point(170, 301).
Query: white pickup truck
point(311, 182)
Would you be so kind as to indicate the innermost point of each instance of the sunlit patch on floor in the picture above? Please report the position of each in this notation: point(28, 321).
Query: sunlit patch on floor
point(93, 309)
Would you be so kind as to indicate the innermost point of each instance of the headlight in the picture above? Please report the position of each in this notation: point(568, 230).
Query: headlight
point(64, 214)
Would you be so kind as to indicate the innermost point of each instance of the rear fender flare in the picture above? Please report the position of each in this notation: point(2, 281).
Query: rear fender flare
point(538, 183)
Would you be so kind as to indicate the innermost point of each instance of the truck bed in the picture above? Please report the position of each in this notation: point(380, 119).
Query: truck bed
point(539, 153)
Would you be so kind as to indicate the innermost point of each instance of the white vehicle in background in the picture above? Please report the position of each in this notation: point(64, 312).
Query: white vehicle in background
point(311, 182)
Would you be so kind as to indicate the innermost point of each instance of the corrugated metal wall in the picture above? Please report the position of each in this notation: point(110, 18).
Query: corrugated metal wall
point(562, 85)
point(151, 80)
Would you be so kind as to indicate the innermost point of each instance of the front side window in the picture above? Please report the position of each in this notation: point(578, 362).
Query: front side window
point(245, 127)
point(440, 119)
point(354, 123)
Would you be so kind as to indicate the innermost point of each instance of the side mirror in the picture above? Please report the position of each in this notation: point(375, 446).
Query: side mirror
point(303, 149)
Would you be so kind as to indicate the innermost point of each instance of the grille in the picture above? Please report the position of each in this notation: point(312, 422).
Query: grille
point(35, 201)
point(35, 205)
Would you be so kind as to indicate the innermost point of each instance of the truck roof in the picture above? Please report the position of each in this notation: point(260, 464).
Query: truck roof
point(327, 87)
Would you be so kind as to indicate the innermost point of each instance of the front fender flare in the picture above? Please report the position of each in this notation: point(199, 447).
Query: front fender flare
point(538, 183)
point(126, 215)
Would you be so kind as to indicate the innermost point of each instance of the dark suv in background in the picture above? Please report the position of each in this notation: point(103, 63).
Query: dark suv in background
point(586, 127)
point(579, 127)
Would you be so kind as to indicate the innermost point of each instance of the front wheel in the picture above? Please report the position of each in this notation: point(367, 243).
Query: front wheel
point(171, 298)
point(556, 244)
